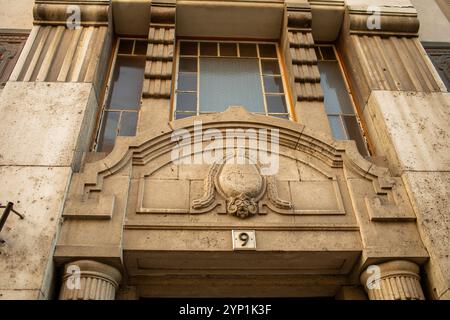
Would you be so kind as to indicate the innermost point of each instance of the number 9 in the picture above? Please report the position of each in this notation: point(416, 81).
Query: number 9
point(244, 238)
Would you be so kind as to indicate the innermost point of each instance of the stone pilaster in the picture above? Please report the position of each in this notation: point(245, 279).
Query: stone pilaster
point(394, 280)
point(404, 107)
point(89, 280)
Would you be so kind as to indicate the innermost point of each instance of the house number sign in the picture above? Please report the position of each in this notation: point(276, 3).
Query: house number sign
point(244, 239)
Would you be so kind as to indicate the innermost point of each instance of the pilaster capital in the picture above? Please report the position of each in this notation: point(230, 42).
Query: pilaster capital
point(89, 280)
point(393, 280)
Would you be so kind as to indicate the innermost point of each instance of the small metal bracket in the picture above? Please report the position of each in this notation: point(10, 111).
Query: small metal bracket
point(8, 208)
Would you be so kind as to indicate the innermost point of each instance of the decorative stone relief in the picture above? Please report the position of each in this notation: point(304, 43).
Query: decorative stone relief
point(11, 45)
point(241, 190)
point(319, 190)
point(440, 56)
point(242, 185)
point(57, 12)
point(390, 203)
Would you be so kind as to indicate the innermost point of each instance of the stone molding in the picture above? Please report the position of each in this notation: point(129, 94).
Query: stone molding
point(160, 51)
point(50, 12)
point(11, 44)
point(399, 280)
point(144, 148)
point(393, 21)
point(89, 280)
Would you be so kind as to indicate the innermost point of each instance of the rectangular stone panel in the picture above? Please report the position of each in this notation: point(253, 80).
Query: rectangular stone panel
point(163, 196)
point(316, 197)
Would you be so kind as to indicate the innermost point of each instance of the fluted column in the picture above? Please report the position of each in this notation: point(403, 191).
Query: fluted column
point(89, 280)
point(394, 280)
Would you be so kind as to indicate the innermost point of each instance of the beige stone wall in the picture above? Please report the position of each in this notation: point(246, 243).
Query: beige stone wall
point(16, 14)
point(411, 129)
point(434, 25)
point(39, 148)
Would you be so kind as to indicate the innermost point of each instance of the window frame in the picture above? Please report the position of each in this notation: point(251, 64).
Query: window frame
point(279, 58)
point(361, 125)
point(107, 93)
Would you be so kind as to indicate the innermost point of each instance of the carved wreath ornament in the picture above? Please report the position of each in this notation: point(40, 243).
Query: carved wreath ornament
point(242, 185)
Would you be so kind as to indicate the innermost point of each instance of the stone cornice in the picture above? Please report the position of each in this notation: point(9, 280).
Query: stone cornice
point(163, 12)
point(299, 15)
point(53, 12)
point(399, 21)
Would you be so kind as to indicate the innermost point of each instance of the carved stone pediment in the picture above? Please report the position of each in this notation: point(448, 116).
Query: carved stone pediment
point(321, 186)
point(227, 187)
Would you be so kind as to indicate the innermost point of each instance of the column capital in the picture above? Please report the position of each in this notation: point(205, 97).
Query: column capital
point(393, 280)
point(89, 280)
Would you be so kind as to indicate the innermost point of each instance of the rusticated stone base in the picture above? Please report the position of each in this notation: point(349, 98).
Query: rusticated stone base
point(89, 280)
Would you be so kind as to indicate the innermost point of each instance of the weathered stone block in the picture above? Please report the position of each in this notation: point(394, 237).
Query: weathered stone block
point(42, 127)
point(430, 192)
point(37, 193)
point(411, 129)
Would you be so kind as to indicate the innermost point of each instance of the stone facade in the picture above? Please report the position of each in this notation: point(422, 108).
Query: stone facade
point(135, 224)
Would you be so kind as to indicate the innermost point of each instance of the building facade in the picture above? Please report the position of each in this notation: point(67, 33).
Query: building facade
point(110, 110)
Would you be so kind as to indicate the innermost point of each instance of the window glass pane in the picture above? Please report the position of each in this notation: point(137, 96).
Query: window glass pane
point(108, 132)
point(228, 49)
point(248, 50)
point(126, 46)
point(128, 123)
point(230, 81)
point(127, 83)
point(140, 47)
point(188, 48)
point(270, 67)
point(354, 133)
point(267, 51)
point(188, 65)
point(336, 96)
point(186, 101)
point(208, 49)
point(327, 53)
point(181, 115)
point(276, 104)
point(273, 84)
point(336, 127)
point(187, 82)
